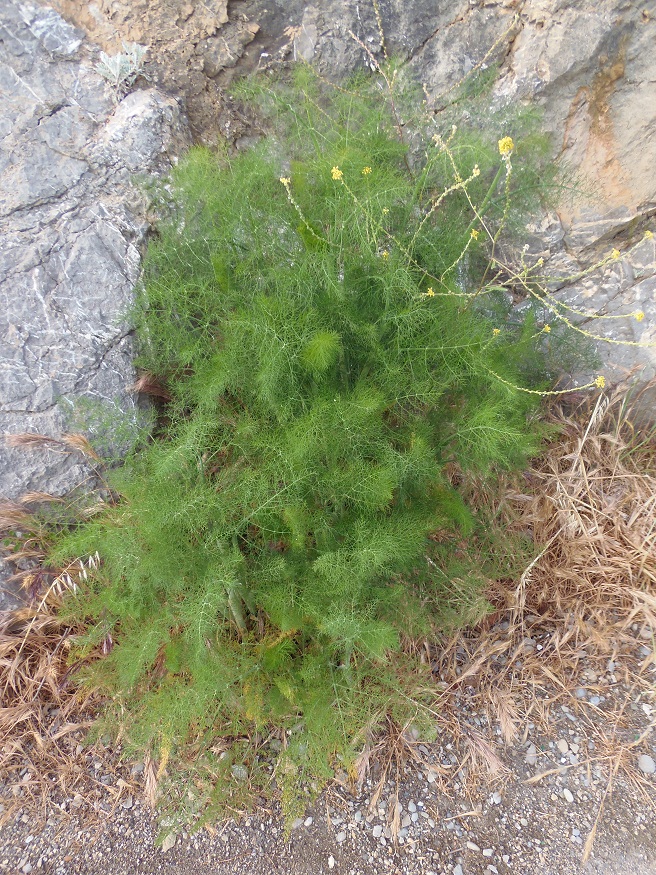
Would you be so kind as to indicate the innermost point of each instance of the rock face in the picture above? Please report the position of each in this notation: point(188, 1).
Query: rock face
point(72, 226)
point(72, 222)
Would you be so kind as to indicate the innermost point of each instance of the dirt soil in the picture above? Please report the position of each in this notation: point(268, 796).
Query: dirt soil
point(195, 49)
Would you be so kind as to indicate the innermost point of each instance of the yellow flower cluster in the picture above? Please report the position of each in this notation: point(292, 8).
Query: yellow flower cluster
point(365, 171)
point(496, 332)
point(336, 173)
point(430, 293)
point(506, 146)
point(474, 233)
point(639, 316)
point(285, 180)
point(600, 382)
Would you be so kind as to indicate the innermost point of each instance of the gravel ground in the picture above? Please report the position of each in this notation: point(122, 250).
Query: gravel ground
point(520, 830)
point(506, 826)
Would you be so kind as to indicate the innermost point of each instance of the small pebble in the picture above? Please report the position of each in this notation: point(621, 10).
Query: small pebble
point(595, 700)
point(457, 869)
point(496, 798)
point(377, 831)
point(581, 693)
point(472, 846)
point(562, 745)
point(340, 837)
point(331, 862)
point(308, 821)
point(487, 852)
point(531, 757)
point(412, 807)
point(646, 764)
point(169, 842)
point(568, 795)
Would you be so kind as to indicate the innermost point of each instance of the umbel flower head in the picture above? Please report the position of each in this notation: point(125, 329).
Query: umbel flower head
point(336, 173)
point(506, 146)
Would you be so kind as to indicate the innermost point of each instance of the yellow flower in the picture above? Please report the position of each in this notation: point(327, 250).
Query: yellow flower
point(430, 293)
point(615, 254)
point(385, 211)
point(506, 146)
point(649, 235)
point(476, 171)
point(600, 382)
point(547, 329)
point(474, 233)
point(336, 173)
point(496, 332)
point(639, 316)
point(540, 262)
point(385, 253)
point(366, 171)
point(285, 180)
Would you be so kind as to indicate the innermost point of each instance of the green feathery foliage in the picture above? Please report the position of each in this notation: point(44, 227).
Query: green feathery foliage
point(323, 312)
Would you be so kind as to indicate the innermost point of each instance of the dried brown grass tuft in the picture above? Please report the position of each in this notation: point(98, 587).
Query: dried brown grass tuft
point(587, 598)
point(43, 718)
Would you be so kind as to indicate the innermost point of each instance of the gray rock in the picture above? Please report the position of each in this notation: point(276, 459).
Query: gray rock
point(55, 35)
point(169, 842)
point(531, 757)
point(72, 230)
point(646, 764)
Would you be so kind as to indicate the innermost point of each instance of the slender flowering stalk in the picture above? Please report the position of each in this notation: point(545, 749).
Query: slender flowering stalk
point(286, 181)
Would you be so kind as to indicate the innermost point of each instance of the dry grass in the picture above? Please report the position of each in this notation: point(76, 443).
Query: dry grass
point(43, 718)
point(588, 600)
